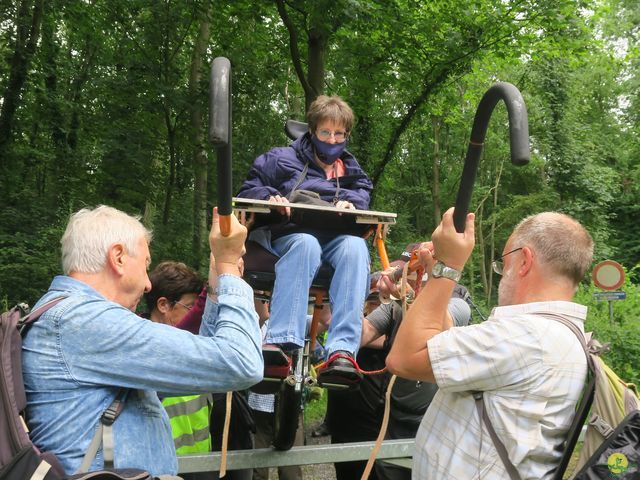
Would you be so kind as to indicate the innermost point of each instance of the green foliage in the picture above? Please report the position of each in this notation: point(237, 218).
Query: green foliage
point(314, 410)
point(105, 117)
point(29, 253)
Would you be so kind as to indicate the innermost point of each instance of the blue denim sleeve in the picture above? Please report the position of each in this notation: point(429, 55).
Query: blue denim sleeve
point(105, 344)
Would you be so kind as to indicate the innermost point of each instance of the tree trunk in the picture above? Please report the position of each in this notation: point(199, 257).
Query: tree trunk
point(200, 160)
point(435, 171)
point(317, 40)
point(28, 21)
point(316, 58)
point(481, 248)
point(171, 181)
point(492, 242)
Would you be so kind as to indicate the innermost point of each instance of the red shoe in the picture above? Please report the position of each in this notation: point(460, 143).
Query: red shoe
point(277, 366)
point(277, 363)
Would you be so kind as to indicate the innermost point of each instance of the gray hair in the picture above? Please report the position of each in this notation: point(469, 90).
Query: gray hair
point(90, 234)
point(560, 242)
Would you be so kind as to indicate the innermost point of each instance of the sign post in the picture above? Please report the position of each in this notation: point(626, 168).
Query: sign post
point(609, 276)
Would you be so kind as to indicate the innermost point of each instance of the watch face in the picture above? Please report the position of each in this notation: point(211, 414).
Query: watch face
point(437, 269)
point(441, 270)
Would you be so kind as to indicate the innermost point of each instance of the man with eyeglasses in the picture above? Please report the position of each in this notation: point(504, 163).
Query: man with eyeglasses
point(529, 368)
point(318, 162)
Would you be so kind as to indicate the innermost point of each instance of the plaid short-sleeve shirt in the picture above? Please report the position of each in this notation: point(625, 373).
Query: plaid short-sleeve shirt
point(531, 370)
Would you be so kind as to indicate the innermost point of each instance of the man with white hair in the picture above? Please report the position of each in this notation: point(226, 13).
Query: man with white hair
point(530, 369)
point(91, 346)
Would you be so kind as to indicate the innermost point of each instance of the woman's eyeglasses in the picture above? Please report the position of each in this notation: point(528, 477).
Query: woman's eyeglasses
point(188, 307)
point(327, 134)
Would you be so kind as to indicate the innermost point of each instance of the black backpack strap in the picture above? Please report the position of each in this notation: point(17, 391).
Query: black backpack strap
point(585, 403)
point(502, 451)
point(104, 434)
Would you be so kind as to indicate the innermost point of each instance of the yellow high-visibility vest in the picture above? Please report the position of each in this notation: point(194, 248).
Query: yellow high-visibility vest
point(189, 418)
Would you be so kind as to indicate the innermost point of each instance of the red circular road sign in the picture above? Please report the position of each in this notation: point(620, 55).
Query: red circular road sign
point(608, 275)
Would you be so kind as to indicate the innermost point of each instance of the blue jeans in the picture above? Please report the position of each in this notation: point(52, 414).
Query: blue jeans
point(301, 255)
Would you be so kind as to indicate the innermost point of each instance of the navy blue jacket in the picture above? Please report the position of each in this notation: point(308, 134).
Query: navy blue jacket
point(277, 171)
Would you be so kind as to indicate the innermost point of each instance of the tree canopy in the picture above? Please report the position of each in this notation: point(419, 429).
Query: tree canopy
point(107, 102)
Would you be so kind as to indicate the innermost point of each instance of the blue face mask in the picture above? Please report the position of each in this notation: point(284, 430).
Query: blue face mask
point(328, 152)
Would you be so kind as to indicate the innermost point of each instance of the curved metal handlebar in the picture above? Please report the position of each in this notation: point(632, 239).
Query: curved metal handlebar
point(220, 135)
point(519, 141)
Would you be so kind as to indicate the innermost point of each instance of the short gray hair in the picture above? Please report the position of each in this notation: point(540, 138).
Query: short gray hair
point(91, 232)
point(560, 242)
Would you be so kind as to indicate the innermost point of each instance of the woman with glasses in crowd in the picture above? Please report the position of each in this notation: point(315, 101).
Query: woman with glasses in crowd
point(318, 162)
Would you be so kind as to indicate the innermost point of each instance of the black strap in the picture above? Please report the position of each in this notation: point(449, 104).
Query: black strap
point(301, 178)
point(303, 175)
point(502, 451)
point(588, 394)
point(115, 409)
point(336, 197)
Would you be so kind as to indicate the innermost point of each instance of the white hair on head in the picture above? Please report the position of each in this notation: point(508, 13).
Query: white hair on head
point(91, 232)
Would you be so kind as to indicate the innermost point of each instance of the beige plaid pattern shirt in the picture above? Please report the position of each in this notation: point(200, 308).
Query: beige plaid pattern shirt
point(531, 370)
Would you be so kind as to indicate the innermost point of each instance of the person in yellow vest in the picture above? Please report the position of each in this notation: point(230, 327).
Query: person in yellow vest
point(189, 418)
point(177, 290)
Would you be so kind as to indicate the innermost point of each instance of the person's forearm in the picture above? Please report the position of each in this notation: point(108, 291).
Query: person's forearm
point(378, 343)
point(233, 322)
point(369, 333)
point(427, 317)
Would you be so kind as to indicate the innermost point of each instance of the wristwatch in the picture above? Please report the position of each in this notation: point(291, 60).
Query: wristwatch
point(441, 270)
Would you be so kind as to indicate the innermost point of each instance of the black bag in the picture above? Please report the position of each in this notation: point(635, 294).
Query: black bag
point(308, 197)
point(619, 456)
point(322, 220)
point(19, 458)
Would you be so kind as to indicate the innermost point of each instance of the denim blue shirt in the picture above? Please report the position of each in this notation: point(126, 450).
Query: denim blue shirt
point(79, 354)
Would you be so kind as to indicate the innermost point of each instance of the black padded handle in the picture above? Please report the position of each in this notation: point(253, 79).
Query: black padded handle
point(518, 135)
point(220, 129)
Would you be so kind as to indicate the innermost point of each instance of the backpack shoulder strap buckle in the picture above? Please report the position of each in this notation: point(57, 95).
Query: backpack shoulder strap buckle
point(600, 425)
